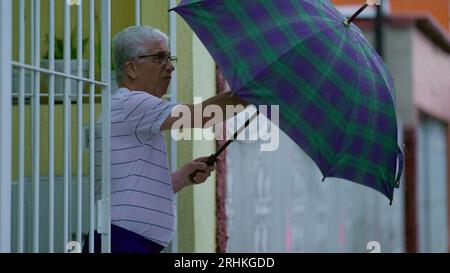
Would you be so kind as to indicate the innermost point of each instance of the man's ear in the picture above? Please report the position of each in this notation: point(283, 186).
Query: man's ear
point(130, 70)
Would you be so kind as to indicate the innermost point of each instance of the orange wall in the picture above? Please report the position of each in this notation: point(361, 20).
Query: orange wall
point(348, 2)
point(439, 8)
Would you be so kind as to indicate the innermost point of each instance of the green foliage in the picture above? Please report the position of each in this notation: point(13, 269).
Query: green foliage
point(59, 46)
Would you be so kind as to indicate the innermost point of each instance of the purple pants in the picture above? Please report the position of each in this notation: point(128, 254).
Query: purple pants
point(124, 241)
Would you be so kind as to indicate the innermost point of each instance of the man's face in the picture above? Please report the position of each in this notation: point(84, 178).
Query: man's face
point(153, 73)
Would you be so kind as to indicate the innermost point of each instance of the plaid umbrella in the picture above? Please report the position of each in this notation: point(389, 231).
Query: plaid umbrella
point(335, 94)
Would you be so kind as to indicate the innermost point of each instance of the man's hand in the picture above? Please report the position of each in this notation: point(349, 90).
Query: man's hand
point(181, 179)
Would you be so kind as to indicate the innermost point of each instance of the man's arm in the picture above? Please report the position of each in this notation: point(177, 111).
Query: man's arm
point(221, 100)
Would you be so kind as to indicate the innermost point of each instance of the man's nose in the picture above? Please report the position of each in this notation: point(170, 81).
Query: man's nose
point(170, 66)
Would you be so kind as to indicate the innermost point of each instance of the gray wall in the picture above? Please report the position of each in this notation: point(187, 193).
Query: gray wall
point(276, 202)
point(432, 186)
point(398, 54)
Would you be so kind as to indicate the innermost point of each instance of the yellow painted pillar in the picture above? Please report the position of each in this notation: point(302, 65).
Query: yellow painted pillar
point(196, 78)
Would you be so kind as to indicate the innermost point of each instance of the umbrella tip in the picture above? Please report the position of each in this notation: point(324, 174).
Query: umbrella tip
point(323, 179)
point(346, 22)
point(349, 20)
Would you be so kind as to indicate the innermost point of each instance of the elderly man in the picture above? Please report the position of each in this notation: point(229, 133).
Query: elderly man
point(143, 212)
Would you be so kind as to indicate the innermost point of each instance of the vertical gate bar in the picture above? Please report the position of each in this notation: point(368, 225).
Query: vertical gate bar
point(5, 118)
point(29, 238)
point(51, 128)
point(67, 123)
point(21, 151)
point(173, 96)
point(31, 42)
point(36, 127)
point(137, 12)
point(91, 123)
point(106, 123)
point(80, 121)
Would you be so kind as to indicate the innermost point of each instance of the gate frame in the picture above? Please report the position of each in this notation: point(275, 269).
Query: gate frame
point(5, 119)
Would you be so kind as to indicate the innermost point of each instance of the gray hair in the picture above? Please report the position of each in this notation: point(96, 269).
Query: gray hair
point(131, 42)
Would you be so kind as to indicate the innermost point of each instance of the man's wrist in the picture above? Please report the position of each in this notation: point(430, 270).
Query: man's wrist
point(180, 181)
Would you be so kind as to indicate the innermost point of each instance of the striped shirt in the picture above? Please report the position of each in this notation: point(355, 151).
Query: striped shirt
point(142, 196)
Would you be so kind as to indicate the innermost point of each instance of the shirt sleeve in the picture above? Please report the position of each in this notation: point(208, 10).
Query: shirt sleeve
point(144, 114)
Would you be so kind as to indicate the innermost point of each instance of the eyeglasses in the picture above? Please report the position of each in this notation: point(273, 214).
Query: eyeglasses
point(162, 58)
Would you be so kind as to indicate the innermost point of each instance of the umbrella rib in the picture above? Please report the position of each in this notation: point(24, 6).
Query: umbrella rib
point(342, 137)
point(315, 3)
point(186, 5)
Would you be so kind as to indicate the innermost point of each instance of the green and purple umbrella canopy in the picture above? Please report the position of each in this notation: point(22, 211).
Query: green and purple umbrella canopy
point(335, 93)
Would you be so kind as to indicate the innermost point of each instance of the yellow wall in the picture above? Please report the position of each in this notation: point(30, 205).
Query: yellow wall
point(154, 13)
point(186, 222)
point(196, 78)
point(204, 195)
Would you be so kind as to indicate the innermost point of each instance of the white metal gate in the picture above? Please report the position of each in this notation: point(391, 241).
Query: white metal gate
point(5, 115)
point(47, 209)
point(51, 213)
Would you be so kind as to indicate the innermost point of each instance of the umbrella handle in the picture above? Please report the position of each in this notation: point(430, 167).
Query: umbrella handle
point(213, 158)
point(210, 161)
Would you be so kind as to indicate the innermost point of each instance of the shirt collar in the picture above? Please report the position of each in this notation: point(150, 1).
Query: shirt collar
point(123, 90)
